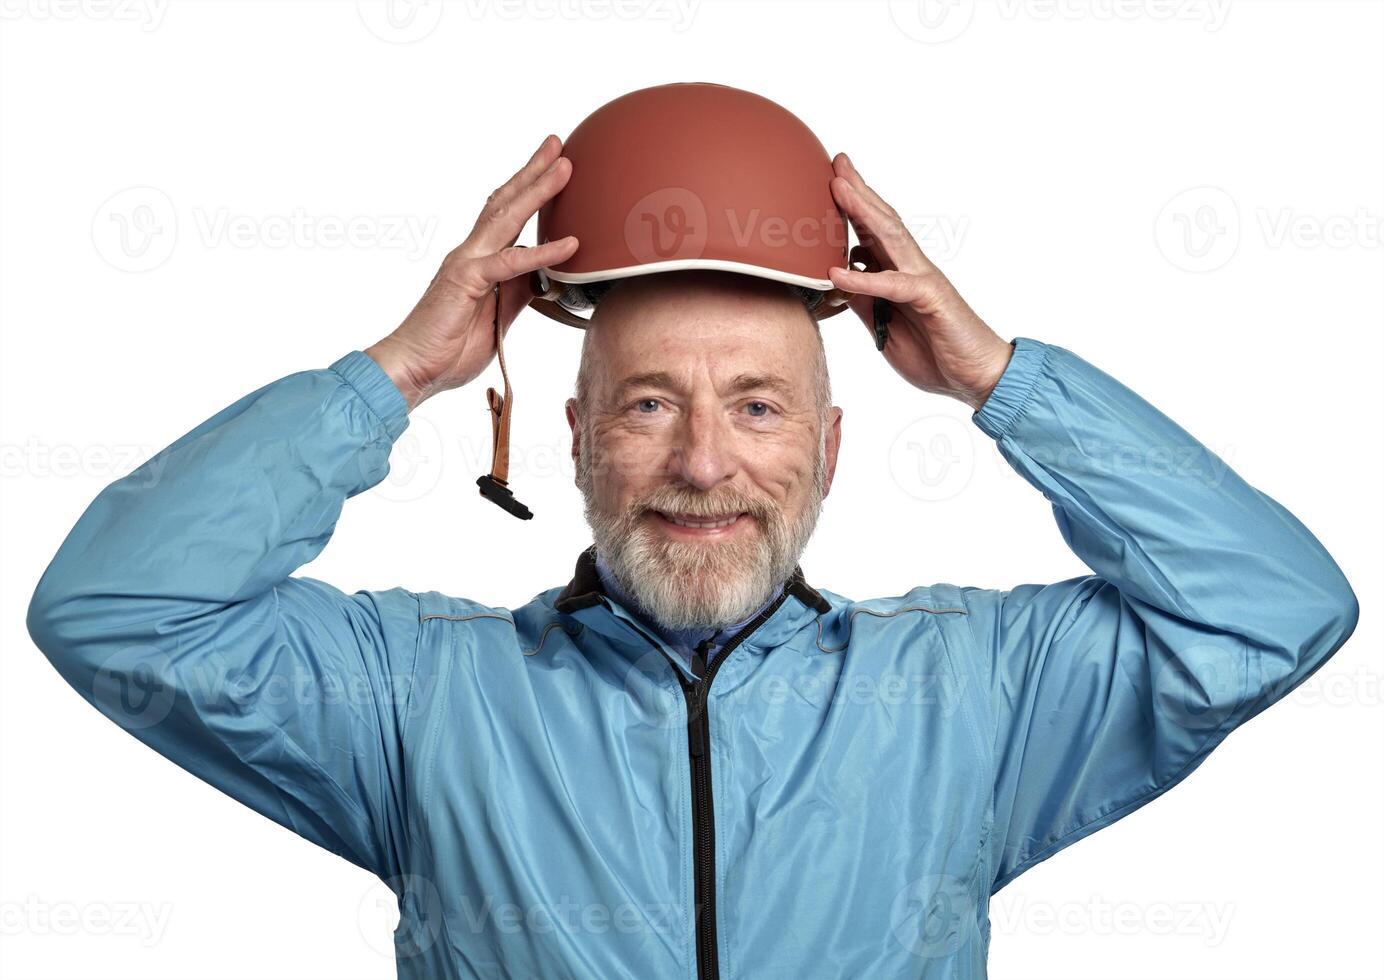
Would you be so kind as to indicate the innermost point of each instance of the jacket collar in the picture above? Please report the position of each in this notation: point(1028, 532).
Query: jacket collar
point(585, 599)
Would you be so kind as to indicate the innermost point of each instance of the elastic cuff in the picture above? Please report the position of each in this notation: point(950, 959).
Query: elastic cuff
point(1010, 397)
point(376, 388)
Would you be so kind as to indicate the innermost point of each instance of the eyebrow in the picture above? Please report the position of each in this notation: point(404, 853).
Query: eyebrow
point(740, 384)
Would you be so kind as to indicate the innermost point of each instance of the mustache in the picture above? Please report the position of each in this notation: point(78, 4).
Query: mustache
point(675, 501)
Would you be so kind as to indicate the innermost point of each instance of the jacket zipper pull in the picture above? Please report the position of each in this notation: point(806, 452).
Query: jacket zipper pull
point(696, 725)
point(699, 657)
point(696, 720)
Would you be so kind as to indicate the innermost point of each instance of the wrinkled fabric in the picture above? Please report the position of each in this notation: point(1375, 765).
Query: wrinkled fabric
point(520, 777)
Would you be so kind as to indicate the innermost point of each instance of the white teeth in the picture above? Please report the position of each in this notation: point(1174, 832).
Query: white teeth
point(704, 524)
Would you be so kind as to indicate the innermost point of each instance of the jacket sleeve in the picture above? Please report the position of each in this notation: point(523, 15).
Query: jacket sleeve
point(171, 608)
point(1208, 602)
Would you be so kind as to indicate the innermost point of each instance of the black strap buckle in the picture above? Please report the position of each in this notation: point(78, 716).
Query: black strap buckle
point(883, 311)
point(497, 492)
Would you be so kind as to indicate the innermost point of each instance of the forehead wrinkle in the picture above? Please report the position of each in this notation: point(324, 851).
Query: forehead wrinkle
point(650, 379)
point(760, 381)
point(743, 382)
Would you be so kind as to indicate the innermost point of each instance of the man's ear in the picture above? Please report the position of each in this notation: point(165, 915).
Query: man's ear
point(833, 445)
point(573, 420)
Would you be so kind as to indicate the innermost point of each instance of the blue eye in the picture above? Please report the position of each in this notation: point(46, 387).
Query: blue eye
point(760, 405)
point(647, 401)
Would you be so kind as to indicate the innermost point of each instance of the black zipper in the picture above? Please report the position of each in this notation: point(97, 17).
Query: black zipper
point(703, 816)
point(699, 753)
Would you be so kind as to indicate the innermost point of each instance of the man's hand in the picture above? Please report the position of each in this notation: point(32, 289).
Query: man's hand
point(449, 337)
point(936, 341)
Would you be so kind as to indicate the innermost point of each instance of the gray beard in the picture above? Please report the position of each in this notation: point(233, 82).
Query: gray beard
point(685, 585)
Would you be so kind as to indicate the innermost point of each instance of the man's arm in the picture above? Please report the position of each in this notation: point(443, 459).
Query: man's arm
point(1208, 602)
point(172, 607)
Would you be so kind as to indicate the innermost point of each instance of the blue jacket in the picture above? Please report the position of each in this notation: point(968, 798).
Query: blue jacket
point(550, 795)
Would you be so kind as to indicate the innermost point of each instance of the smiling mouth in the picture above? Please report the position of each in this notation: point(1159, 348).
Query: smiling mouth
point(699, 522)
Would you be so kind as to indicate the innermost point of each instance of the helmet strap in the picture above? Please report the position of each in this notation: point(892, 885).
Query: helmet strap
point(495, 485)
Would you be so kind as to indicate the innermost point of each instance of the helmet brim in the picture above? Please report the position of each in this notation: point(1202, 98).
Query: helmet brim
point(677, 265)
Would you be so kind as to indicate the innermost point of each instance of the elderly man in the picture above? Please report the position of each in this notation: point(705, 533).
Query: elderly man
point(690, 762)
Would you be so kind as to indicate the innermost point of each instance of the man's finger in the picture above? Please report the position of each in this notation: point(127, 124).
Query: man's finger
point(882, 230)
point(924, 293)
point(862, 304)
point(517, 260)
point(845, 169)
point(888, 284)
point(548, 151)
point(501, 223)
point(529, 199)
point(503, 218)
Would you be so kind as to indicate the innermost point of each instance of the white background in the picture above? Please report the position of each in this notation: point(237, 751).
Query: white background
point(1186, 193)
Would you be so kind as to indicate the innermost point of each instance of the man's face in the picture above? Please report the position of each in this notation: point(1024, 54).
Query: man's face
point(703, 453)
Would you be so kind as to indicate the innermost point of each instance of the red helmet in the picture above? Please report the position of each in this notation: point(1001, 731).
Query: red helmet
point(691, 175)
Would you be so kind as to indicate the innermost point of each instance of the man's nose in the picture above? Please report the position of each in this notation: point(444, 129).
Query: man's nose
point(704, 454)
